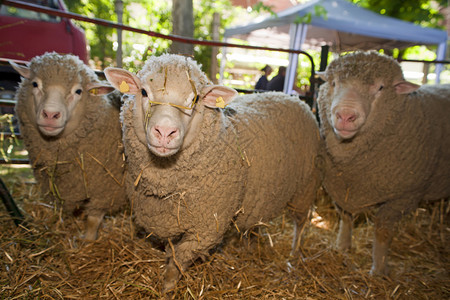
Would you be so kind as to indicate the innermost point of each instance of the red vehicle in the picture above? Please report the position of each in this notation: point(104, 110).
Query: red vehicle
point(25, 34)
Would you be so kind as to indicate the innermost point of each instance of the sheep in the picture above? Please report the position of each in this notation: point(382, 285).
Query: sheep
point(198, 165)
point(73, 136)
point(387, 144)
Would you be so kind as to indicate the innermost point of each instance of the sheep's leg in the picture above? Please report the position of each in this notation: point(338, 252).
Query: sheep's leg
point(382, 240)
point(92, 224)
point(386, 220)
point(182, 254)
point(171, 276)
point(300, 209)
point(344, 238)
point(299, 226)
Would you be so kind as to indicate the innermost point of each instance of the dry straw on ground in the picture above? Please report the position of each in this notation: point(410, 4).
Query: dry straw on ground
point(47, 259)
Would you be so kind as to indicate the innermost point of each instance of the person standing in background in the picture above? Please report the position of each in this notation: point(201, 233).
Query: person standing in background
point(263, 80)
point(277, 83)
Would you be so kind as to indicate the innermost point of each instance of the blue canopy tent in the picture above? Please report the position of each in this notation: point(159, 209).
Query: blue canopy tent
point(345, 27)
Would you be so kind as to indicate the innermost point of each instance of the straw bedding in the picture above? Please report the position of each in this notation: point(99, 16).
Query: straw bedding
point(47, 260)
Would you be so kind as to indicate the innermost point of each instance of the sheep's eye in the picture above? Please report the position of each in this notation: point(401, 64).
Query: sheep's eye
point(381, 87)
point(78, 91)
point(34, 83)
point(144, 93)
point(195, 99)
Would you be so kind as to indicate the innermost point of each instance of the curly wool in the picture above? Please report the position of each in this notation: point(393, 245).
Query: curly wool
point(77, 168)
point(403, 150)
point(247, 162)
point(155, 69)
point(364, 66)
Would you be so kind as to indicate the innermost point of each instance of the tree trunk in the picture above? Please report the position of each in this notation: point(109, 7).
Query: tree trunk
point(183, 25)
point(215, 50)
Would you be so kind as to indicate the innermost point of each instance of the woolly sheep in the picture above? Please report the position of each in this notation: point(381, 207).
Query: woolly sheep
point(387, 142)
point(72, 135)
point(195, 173)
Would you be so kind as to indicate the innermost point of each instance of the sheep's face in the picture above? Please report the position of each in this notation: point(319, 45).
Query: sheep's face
point(54, 84)
point(54, 105)
point(172, 118)
point(167, 112)
point(356, 83)
point(170, 101)
point(350, 105)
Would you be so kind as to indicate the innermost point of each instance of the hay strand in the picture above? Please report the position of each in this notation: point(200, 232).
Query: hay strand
point(106, 169)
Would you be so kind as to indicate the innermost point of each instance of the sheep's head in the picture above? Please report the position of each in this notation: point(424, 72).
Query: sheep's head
point(170, 92)
point(55, 84)
point(355, 83)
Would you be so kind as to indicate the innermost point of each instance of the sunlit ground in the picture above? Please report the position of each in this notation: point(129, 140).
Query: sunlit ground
point(319, 222)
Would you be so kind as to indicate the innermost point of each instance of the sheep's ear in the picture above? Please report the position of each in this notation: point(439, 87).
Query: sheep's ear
point(405, 87)
point(124, 81)
point(99, 88)
point(217, 96)
point(23, 70)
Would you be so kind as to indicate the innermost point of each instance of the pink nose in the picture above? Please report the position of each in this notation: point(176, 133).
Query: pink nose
point(346, 116)
point(165, 134)
point(52, 115)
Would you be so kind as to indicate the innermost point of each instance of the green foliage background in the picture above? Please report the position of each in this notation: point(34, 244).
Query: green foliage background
point(422, 12)
point(155, 15)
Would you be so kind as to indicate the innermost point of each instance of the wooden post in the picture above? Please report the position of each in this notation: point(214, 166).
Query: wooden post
point(119, 12)
point(425, 70)
point(324, 57)
point(215, 36)
point(183, 25)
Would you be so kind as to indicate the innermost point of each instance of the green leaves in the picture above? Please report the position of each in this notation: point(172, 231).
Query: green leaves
point(422, 12)
point(319, 11)
point(259, 7)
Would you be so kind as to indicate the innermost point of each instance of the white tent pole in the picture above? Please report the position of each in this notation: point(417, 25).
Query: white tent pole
point(297, 33)
point(223, 62)
point(440, 55)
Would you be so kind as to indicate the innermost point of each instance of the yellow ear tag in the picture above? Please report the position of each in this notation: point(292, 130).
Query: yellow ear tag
point(123, 87)
point(94, 91)
point(220, 103)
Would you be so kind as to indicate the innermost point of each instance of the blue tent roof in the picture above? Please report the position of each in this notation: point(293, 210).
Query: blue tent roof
point(350, 26)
